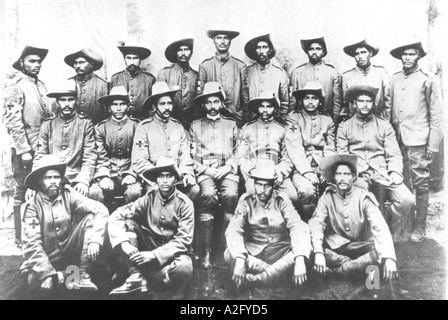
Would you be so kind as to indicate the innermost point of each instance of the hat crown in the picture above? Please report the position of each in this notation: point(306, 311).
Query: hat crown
point(212, 87)
point(160, 87)
point(312, 85)
point(118, 91)
point(264, 169)
point(165, 161)
point(47, 161)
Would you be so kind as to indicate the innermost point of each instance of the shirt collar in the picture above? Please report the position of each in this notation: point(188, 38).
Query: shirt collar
point(267, 121)
point(46, 198)
point(315, 65)
point(413, 70)
point(30, 78)
point(119, 122)
point(129, 75)
point(266, 66)
point(73, 116)
point(178, 67)
point(158, 118)
point(165, 201)
point(86, 78)
point(216, 119)
point(367, 70)
point(225, 59)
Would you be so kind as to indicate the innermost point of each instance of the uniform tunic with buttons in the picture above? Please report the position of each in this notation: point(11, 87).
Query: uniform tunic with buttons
point(374, 76)
point(73, 141)
point(49, 224)
point(231, 74)
point(155, 138)
point(170, 223)
point(272, 78)
point(327, 76)
point(417, 113)
point(114, 140)
point(89, 90)
point(356, 217)
point(254, 227)
point(138, 87)
point(183, 102)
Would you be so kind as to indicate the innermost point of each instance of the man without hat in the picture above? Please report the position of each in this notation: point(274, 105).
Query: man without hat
point(62, 229)
point(417, 117)
point(214, 139)
point(230, 73)
point(348, 232)
point(89, 85)
point(266, 238)
point(266, 75)
point(367, 74)
point(153, 235)
point(181, 74)
point(310, 136)
point(317, 70)
point(137, 82)
point(114, 141)
point(25, 107)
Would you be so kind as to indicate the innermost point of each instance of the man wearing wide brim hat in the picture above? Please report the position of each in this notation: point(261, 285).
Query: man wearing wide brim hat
point(137, 81)
point(229, 72)
point(368, 74)
point(89, 85)
point(380, 162)
point(114, 142)
point(155, 233)
point(260, 262)
point(70, 136)
point(265, 75)
point(317, 70)
point(417, 117)
point(181, 74)
point(214, 141)
point(25, 108)
point(309, 138)
point(348, 231)
point(61, 228)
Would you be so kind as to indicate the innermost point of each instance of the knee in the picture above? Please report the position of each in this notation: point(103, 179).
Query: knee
point(228, 257)
point(181, 269)
point(96, 193)
point(133, 192)
point(194, 192)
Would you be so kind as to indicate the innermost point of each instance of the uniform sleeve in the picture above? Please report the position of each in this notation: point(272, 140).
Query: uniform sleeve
point(337, 96)
point(140, 151)
point(199, 168)
point(317, 225)
point(235, 231)
point(245, 94)
point(285, 164)
point(161, 76)
point(342, 139)
point(103, 163)
point(294, 86)
point(392, 151)
point(387, 112)
point(186, 162)
point(434, 100)
point(284, 96)
point(182, 239)
point(243, 154)
point(294, 146)
point(89, 156)
point(202, 79)
point(232, 161)
point(330, 140)
point(44, 140)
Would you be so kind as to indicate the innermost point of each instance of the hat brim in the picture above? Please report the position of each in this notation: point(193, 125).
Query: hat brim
point(251, 45)
point(58, 94)
point(328, 165)
point(142, 52)
point(150, 100)
point(96, 61)
point(260, 175)
point(305, 43)
point(300, 93)
point(253, 104)
point(397, 52)
point(107, 100)
point(42, 53)
point(351, 49)
point(171, 50)
point(356, 90)
point(152, 173)
point(32, 179)
point(231, 34)
point(200, 98)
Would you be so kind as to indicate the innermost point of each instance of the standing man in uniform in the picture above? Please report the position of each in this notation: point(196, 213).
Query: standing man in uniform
point(317, 70)
point(266, 75)
point(181, 74)
point(230, 73)
point(138, 83)
point(417, 117)
point(368, 74)
point(26, 106)
point(89, 86)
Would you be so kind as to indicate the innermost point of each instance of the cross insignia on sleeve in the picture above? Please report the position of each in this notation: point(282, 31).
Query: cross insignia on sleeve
point(34, 224)
point(10, 106)
point(39, 145)
point(293, 128)
point(141, 144)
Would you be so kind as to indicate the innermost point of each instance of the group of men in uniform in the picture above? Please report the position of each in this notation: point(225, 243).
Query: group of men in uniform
point(191, 142)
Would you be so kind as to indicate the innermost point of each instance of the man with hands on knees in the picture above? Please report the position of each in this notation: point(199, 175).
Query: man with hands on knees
point(266, 237)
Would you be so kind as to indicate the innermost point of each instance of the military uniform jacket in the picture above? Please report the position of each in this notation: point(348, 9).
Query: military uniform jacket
point(231, 74)
point(155, 138)
point(263, 139)
point(213, 144)
point(374, 142)
point(273, 78)
point(317, 133)
point(374, 76)
point(183, 102)
point(73, 141)
point(253, 227)
point(114, 141)
point(170, 223)
point(138, 87)
point(89, 90)
point(327, 76)
point(28, 109)
point(339, 221)
point(49, 224)
point(417, 113)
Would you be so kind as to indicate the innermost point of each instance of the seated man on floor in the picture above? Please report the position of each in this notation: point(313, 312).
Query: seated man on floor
point(62, 228)
point(348, 231)
point(266, 237)
point(153, 235)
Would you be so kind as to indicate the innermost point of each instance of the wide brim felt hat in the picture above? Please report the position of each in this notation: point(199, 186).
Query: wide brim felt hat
point(140, 51)
point(171, 50)
point(328, 165)
point(351, 49)
point(305, 43)
point(231, 34)
point(251, 46)
point(356, 90)
point(162, 165)
point(116, 93)
point(309, 88)
point(63, 93)
point(267, 96)
point(28, 50)
point(47, 162)
point(160, 89)
point(397, 52)
point(87, 53)
point(211, 89)
point(264, 170)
